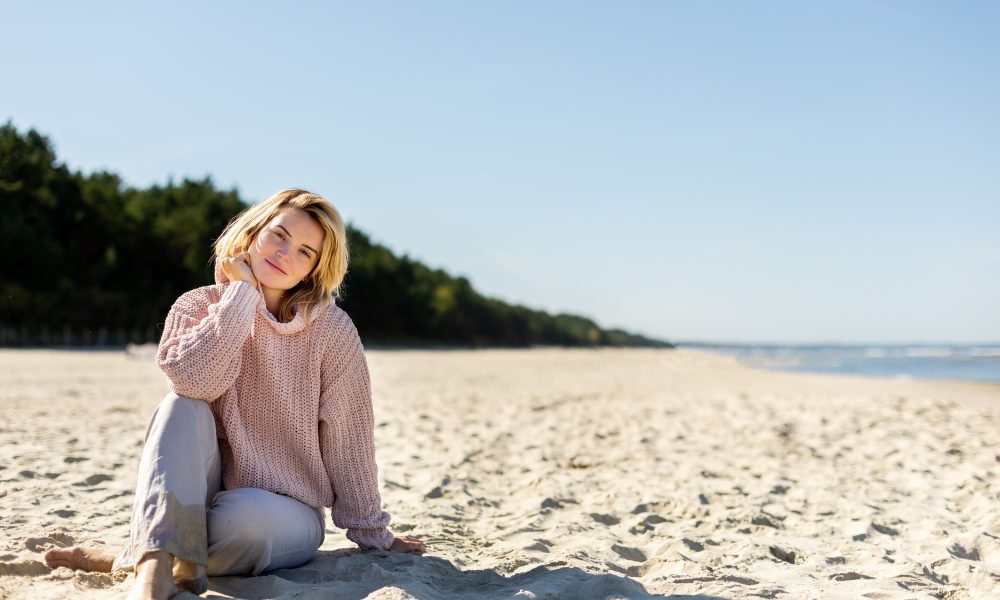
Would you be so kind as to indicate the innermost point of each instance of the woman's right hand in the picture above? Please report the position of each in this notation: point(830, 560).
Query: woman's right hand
point(237, 268)
point(405, 543)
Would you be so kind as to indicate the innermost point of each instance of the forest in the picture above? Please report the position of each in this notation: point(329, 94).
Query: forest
point(91, 261)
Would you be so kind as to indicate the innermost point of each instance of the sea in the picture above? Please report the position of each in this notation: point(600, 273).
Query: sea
point(979, 362)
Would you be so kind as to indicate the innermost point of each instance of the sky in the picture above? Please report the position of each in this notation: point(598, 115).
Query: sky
point(783, 172)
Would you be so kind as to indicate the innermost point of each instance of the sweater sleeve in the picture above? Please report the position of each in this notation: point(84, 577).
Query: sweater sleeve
point(347, 441)
point(201, 347)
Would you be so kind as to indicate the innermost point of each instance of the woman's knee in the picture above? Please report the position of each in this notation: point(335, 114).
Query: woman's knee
point(252, 530)
point(176, 404)
point(190, 414)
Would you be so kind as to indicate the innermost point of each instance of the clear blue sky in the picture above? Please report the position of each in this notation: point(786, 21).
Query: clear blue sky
point(716, 171)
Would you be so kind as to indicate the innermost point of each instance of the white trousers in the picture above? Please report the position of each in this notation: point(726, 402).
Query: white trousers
point(180, 507)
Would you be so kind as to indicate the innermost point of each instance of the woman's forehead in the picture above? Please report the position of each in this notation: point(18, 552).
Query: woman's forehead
point(300, 225)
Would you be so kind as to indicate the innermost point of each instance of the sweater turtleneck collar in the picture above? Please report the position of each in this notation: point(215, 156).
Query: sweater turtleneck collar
point(298, 322)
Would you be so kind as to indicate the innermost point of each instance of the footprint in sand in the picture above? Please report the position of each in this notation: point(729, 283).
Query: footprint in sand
point(693, 545)
point(646, 507)
point(628, 553)
point(959, 551)
point(557, 502)
point(849, 576)
point(884, 529)
point(646, 525)
point(94, 480)
point(787, 556)
point(605, 519)
point(438, 491)
point(765, 521)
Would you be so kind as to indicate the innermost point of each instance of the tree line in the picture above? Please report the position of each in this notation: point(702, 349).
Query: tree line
point(88, 260)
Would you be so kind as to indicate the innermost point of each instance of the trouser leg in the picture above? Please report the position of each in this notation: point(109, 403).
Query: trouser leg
point(244, 531)
point(251, 531)
point(179, 474)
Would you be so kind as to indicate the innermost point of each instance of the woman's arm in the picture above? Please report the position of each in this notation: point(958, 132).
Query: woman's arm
point(201, 347)
point(347, 432)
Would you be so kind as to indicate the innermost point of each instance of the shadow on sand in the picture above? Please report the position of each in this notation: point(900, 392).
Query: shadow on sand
point(348, 574)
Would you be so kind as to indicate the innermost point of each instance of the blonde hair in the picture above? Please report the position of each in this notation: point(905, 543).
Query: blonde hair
point(325, 281)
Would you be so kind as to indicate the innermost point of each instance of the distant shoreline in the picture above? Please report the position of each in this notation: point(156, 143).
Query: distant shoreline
point(925, 361)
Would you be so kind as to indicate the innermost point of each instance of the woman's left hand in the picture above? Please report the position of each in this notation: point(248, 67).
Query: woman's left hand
point(405, 543)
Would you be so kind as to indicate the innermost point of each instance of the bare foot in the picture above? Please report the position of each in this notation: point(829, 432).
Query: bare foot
point(190, 577)
point(82, 558)
point(154, 578)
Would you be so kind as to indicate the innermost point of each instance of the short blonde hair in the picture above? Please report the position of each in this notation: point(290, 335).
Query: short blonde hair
point(324, 283)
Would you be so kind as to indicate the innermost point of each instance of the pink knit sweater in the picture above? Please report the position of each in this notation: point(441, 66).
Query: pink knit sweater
point(292, 401)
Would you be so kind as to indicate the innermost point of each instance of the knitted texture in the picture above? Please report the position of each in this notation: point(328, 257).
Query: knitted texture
point(292, 401)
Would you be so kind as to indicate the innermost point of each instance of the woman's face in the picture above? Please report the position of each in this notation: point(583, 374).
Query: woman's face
point(286, 249)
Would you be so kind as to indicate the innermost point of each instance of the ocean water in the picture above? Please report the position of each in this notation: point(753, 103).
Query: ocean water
point(962, 362)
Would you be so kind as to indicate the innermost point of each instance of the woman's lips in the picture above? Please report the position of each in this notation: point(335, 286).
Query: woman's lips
point(275, 267)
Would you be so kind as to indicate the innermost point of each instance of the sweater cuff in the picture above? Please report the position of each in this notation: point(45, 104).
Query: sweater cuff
point(241, 296)
point(372, 539)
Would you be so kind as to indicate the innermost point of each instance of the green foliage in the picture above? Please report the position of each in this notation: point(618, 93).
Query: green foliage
point(90, 260)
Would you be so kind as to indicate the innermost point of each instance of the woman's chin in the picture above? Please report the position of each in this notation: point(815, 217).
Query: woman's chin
point(269, 281)
point(274, 285)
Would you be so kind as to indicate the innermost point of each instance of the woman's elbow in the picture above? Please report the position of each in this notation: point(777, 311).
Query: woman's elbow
point(199, 388)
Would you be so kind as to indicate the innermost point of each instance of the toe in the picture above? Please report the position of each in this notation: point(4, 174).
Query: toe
point(57, 557)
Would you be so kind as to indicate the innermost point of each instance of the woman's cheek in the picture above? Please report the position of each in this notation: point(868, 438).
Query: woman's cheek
point(255, 266)
point(257, 255)
point(257, 260)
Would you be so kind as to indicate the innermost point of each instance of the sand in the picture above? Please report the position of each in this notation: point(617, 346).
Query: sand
point(562, 474)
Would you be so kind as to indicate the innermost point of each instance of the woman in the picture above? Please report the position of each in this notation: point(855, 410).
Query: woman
point(269, 418)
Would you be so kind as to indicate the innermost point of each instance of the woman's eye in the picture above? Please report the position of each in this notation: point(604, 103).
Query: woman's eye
point(279, 234)
point(304, 253)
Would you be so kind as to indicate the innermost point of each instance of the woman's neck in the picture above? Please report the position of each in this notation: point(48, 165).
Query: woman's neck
point(272, 298)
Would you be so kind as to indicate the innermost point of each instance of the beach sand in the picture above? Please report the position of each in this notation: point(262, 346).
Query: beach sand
point(555, 473)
